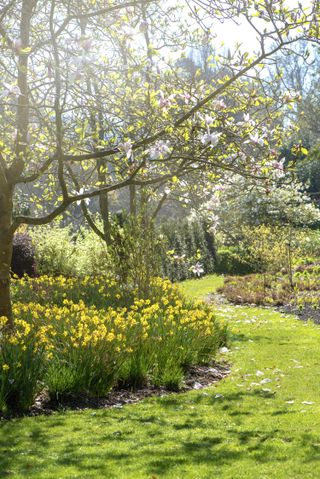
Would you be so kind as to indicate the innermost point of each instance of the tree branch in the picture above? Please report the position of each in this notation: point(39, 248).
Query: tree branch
point(187, 115)
point(107, 189)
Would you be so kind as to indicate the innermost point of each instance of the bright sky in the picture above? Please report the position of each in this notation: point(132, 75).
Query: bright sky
point(229, 33)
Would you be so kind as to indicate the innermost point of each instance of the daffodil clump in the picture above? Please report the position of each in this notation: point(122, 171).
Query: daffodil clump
point(69, 347)
point(101, 291)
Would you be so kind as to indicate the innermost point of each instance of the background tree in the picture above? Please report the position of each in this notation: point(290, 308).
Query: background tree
point(50, 48)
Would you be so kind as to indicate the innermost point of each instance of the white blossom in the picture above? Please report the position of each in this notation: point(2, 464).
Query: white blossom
point(208, 119)
point(211, 138)
point(258, 140)
point(17, 45)
point(126, 147)
point(187, 98)
point(11, 90)
point(81, 192)
point(197, 269)
point(159, 150)
point(223, 350)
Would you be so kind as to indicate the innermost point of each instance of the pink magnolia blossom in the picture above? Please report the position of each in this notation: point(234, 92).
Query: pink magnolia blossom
point(258, 140)
point(208, 120)
point(219, 105)
point(165, 102)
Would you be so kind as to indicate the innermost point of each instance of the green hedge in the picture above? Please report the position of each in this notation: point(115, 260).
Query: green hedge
point(229, 262)
point(187, 243)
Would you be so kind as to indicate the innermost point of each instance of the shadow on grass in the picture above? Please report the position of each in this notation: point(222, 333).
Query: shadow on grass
point(164, 436)
point(243, 338)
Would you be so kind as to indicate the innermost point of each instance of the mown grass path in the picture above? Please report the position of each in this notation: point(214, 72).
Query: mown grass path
point(262, 421)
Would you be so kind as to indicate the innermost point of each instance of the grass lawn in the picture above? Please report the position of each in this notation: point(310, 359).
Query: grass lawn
point(262, 421)
point(198, 288)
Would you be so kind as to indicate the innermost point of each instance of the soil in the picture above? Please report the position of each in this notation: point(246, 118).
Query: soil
point(198, 377)
point(305, 314)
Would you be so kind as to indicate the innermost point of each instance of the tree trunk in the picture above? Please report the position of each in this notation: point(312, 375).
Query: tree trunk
point(104, 210)
point(133, 200)
point(104, 201)
point(6, 240)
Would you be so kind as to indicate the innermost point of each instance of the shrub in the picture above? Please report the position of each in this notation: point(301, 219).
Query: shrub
point(276, 289)
point(138, 251)
point(188, 242)
point(92, 254)
point(54, 250)
point(135, 252)
point(258, 289)
point(229, 262)
point(310, 244)
point(59, 251)
point(23, 255)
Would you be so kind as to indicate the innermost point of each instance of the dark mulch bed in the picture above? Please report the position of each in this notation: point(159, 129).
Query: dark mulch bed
point(198, 377)
point(304, 314)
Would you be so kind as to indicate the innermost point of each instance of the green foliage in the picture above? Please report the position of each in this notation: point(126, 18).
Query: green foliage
point(59, 251)
point(55, 252)
point(230, 262)
point(237, 428)
point(188, 242)
point(308, 170)
point(265, 247)
point(21, 367)
point(270, 248)
point(310, 245)
point(135, 252)
point(79, 342)
point(171, 374)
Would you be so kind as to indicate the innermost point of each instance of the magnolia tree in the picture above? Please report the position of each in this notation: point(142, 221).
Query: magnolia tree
point(241, 202)
point(91, 103)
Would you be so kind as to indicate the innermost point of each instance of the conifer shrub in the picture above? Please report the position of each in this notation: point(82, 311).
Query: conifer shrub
point(23, 256)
